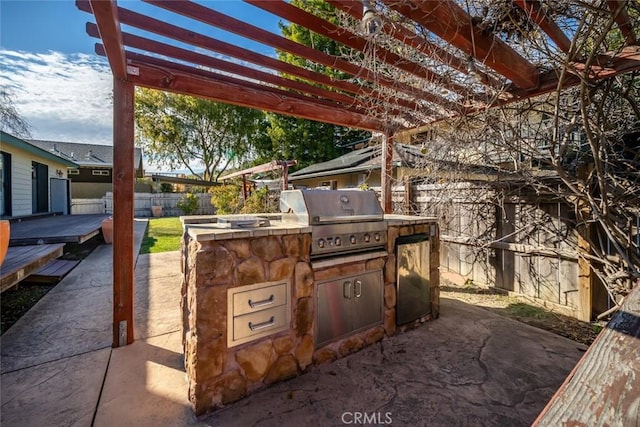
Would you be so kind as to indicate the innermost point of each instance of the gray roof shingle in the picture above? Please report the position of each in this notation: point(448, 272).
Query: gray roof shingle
point(359, 160)
point(83, 154)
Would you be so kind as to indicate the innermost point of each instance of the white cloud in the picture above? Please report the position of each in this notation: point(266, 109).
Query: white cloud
point(63, 97)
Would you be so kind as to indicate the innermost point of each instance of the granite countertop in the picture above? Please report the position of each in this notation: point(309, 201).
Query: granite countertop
point(206, 227)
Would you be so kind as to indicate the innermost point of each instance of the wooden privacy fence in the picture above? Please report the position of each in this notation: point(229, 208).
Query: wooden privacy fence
point(518, 245)
point(143, 203)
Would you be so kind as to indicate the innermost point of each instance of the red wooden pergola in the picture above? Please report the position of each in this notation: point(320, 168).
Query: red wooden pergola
point(187, 61)
point(266, 167)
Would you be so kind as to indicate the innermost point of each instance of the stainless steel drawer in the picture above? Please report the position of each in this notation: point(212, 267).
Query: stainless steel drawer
point(255, 300)
point(257, 310)
point(264, 322)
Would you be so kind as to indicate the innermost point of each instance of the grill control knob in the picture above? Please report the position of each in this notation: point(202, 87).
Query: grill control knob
point(321, 243)
point(377, 237)
point(338, 241)
point(367, 238)
point(352, 239)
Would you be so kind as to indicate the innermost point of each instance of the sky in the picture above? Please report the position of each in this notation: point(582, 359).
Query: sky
point(58, 84)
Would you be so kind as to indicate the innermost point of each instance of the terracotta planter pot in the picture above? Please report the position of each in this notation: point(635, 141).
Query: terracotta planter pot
point(107, 230)
point(156, 211)
point(4, 239)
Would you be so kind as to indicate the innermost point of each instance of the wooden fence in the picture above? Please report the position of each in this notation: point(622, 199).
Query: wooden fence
point(143, 203)
point(517, 245)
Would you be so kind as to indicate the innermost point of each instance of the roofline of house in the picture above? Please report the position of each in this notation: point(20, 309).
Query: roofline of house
point(24, 145)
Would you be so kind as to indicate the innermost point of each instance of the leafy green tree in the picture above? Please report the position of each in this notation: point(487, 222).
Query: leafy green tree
point(304, 140)
point(194, 133)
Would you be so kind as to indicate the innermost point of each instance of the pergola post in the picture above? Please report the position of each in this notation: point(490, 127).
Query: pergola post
point(123, 210)
point(244, 188)
point(285, 175)
point(386, 173)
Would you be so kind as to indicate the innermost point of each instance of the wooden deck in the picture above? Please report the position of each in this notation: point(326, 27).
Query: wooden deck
point(52, 272)
point(24, 260)
point(55, 229)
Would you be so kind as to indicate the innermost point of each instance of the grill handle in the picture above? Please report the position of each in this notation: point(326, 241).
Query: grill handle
point(346, 218)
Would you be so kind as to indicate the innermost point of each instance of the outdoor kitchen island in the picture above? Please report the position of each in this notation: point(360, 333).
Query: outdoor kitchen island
point(260, 305)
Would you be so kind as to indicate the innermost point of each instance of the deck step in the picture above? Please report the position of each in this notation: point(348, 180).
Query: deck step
point(21, 261)
point(52, 272)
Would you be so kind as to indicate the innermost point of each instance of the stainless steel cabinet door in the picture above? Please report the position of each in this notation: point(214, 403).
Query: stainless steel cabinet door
point(367, 300)
point(414, 292)
point(334, 309)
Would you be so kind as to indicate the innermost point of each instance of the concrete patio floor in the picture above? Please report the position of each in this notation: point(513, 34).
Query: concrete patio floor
point(469, 367)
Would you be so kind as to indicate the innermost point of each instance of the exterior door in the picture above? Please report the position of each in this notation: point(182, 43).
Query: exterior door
point(5, 184)
point(39, 188)
point(60, 201)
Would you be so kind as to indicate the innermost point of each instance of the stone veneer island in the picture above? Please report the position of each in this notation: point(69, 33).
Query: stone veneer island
point(216, 260)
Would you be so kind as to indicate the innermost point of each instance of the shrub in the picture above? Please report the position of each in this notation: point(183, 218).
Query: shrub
point(260, 201)
point(226, 199)
point(188, 203)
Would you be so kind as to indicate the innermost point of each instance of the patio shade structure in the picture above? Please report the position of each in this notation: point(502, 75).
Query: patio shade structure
point(265, 167)
point(166, 45)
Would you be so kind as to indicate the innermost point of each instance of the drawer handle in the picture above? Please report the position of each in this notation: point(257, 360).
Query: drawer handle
point(262, 303)
point(262, 325)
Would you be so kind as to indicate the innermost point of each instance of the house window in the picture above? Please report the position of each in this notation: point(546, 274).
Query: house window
point(100, 172)
point(73, 172)
point(331, 184)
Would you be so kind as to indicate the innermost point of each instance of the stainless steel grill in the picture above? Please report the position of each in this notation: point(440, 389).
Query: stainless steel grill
point(341, 220)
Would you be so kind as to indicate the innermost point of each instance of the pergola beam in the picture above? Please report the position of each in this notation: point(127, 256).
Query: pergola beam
point(164, 49)
point(239, 94)
point(451, 23)
point(618, 8)
point(549, 26)
point(134, 19)
point(227, 23)
point(416, 41)
point(340, 35)
point(106, 15)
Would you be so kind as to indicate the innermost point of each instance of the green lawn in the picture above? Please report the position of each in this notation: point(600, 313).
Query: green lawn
point(162, 235)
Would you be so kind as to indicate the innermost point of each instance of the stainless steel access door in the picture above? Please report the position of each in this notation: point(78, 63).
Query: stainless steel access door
point(347, 305)
point(367, 300)
point(333, 309)
point(414, 292)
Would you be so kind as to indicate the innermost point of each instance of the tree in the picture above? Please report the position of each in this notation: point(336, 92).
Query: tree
point(577, 148)
point(305, 140)
point(194, 133)
point(10, 119)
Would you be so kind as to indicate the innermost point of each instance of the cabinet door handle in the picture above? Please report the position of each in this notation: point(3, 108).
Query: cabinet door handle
point(346, 289)
point(262, 325)
point(262, 303)
point(358, 289)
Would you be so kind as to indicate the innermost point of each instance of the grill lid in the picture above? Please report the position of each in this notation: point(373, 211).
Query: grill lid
point(316, 207)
